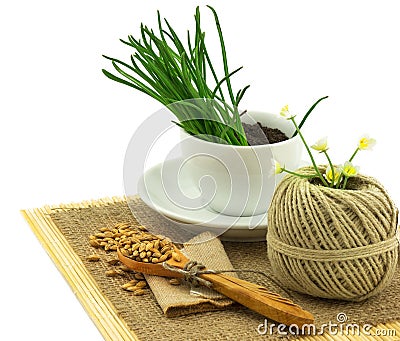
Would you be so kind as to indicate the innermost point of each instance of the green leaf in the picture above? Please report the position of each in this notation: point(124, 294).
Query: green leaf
point(224, 79)
point(162, 67)
point(308, 114)
point(240, 94)
point(223, 50)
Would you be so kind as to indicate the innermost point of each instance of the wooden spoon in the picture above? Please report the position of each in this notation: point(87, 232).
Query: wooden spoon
point(252, 296)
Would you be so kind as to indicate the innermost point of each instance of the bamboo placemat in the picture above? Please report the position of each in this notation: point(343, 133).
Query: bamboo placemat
point(106, 316)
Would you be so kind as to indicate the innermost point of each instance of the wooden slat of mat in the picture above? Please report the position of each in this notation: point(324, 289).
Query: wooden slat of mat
point(99, 308)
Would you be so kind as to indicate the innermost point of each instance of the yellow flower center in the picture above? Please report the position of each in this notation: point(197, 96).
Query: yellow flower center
point(364, 142)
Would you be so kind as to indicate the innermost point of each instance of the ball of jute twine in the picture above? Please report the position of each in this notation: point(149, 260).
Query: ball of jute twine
point(331, 243)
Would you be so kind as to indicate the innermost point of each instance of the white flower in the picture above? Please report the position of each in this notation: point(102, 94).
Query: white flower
point(337, 171)
point(278, 168)
point(321, 145)
point(366, 143)
point(285, 113)
point(349, 169)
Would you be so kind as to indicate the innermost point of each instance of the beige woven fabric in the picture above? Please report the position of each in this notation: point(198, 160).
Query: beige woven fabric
point(333, 243)
point(144, 316)
point(183, 300)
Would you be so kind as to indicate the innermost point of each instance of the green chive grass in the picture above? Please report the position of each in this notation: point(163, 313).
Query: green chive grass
point(173, 71)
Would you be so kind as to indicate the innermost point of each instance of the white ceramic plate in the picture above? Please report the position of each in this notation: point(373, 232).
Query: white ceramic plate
point(152, 190)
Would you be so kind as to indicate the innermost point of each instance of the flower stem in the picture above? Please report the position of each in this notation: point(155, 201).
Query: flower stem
point(354, 154)
point(339, 180)
point(300, 175)
point(345, 182)
point(341, 175)
point(332, 168)
point(309, 153)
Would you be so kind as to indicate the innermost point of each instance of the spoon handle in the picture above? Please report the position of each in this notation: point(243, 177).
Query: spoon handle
point(252, 296)
point(259, 299)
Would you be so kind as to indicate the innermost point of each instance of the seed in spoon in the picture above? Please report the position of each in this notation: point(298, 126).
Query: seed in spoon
point(176, 256)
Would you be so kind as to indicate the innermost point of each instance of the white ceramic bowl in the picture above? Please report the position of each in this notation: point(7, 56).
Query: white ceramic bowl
point(240, 180)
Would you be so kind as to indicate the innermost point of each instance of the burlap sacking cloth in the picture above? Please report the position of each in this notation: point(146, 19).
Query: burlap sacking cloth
point(186, 299)
point(144, 316)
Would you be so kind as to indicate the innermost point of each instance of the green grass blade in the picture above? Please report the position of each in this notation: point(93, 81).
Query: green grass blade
point(163, 68)
point(122, 81)
point(223, 50)
point(240, 95)
point(308, 114)
point(218, 86)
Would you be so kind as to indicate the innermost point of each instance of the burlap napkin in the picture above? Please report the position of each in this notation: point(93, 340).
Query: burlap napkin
point(184, 299)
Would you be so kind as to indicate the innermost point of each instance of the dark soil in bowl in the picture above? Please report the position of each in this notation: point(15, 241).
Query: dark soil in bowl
point(257, 134)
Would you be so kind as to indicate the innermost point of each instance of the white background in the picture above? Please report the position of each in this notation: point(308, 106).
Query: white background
point(65, 127)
